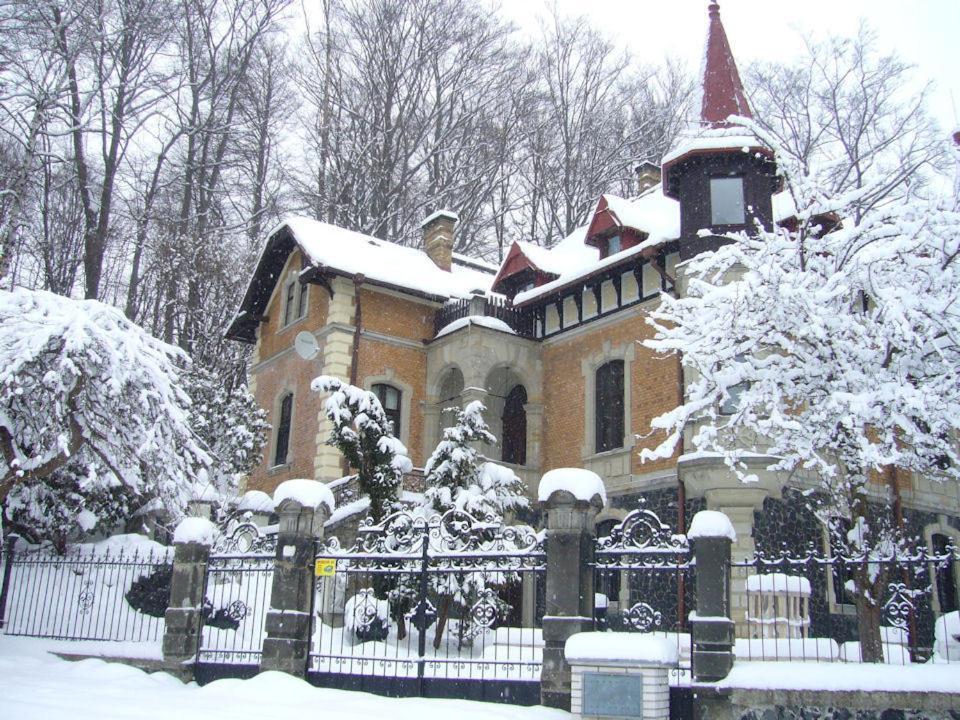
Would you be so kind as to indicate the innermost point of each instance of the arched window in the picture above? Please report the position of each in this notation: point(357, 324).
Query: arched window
point(609, 406)
point(282, 447)
point(389, 397)
point(515, 427)
point(946, 574)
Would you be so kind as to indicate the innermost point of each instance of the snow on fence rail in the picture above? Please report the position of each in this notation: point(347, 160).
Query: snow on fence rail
point(88, 593)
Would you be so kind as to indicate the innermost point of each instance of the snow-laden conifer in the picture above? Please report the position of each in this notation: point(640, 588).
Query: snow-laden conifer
point(459, 476)
point(92, 415)
point(831, 346)
point(364, 435)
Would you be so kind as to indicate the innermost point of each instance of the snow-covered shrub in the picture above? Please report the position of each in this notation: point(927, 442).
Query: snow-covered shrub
point(366, 616)
point(150, 594)
point(231, 425)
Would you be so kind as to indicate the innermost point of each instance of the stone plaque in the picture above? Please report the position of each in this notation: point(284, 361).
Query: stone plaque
point(609, 695)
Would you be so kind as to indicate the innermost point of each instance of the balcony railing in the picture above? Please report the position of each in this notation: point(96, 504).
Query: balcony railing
point(500, 308)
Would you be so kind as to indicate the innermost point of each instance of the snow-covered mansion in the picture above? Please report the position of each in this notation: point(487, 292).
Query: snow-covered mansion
point(547, 341)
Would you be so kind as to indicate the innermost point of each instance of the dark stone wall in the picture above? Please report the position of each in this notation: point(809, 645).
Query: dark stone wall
point(790, 525)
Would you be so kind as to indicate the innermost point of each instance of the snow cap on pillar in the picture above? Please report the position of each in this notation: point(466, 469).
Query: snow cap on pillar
point(723, 93)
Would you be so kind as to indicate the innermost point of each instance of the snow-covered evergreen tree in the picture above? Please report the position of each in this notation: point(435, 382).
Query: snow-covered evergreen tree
point(231, 425)
point(459, 476)
point(835, 353)
point(364, 435)
point(94, 423)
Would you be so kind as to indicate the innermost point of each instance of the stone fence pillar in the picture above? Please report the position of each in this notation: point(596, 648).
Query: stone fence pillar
point(303, 507)
point(712, 533)
point(192, 541)
point(571, 498)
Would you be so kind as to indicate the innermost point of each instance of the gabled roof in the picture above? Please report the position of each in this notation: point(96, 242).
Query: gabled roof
point(335, 251)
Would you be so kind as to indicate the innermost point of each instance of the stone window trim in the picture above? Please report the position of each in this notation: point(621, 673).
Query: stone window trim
point(940, 528)
point(272, 465)
point(389, 377)
point(588, 367)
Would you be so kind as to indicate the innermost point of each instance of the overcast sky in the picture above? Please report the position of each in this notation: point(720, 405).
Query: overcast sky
point(926, 33)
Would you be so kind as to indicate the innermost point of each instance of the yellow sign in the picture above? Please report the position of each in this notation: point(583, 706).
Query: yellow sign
point(325, 567)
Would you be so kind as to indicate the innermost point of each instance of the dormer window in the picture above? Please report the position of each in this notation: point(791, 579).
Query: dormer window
point(726, 201)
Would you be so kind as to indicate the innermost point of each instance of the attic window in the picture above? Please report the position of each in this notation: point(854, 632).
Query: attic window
point(294, 301)
point(614, 244)
point(726, 201)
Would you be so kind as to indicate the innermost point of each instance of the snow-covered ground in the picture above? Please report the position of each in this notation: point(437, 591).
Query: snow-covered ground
point(37, 686)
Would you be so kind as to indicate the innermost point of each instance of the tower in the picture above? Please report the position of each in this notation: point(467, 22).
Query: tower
point(722, 175)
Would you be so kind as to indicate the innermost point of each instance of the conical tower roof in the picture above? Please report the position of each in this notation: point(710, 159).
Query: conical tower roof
point(723, 94)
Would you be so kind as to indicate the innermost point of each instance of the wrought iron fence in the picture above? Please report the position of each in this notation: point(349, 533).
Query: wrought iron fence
point(86, 594)
point(644, 583)
point(812, 607)
point(417, 601)
point(237, 597)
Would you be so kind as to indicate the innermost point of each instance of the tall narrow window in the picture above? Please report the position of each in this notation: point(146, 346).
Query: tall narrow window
point(294, 302)
point(290, 303)
point(609, 406)
point(515, 427)
point(283, 430)
point(726, 201)
point(389, 398)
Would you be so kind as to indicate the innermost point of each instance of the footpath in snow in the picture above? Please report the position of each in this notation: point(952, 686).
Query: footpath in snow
point(35, 685)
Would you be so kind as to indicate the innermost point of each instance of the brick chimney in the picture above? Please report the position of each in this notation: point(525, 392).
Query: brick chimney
point(648, 175)
point(438, 237)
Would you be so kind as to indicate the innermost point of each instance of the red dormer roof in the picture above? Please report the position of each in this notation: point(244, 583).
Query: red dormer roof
point(517, 261)
point(613, 215)
point(723, 93)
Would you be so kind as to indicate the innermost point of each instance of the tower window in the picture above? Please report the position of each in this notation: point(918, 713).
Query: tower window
point(726, 201)
point(294, 302)
point(609, 406)
point(283, 430)
point(389, 398)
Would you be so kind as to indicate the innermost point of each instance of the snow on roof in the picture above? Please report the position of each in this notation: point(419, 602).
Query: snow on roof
point(582, 484)
point(711, 524)
point(712, 139)
point(309, 493)
point(622, 648)
point(653, 213)
point(487, 322)
point(380, 261)
point(572, 259)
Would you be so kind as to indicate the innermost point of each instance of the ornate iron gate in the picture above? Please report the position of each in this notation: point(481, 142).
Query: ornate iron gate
point(429, 606)
point(644, 582)
point(236, 600)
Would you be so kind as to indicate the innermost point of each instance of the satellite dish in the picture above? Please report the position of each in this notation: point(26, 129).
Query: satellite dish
point(306, 345)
